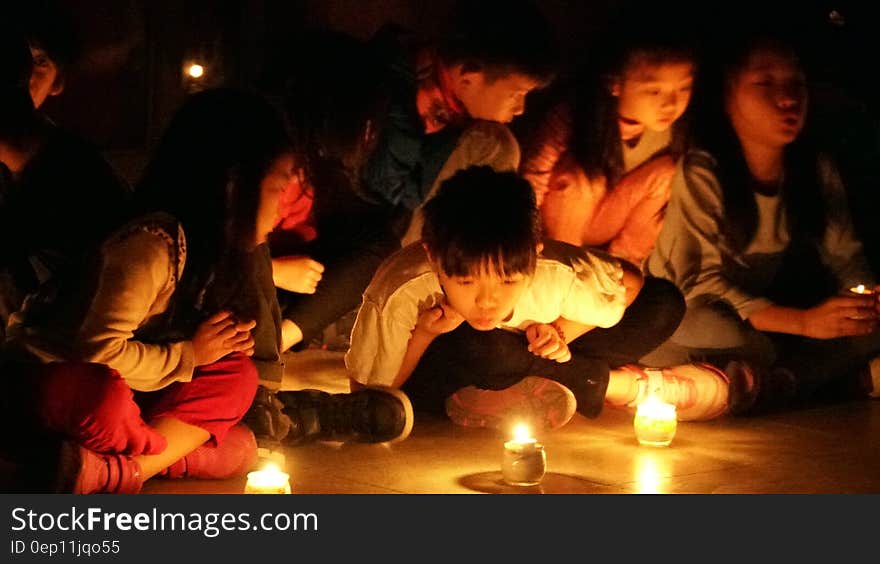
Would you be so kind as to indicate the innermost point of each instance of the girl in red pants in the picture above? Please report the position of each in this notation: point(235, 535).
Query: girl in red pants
point(138, 358)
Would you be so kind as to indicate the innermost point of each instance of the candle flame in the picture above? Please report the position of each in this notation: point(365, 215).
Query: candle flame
point(657, 408)
point(860, 288)
point(521, 433)
point(195, 70)
point(271, 468)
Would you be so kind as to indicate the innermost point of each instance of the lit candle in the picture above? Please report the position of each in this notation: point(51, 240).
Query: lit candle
point(524, 461)
point(269, 480)
point(655, 422)
point(861, 289)
point(195, 70)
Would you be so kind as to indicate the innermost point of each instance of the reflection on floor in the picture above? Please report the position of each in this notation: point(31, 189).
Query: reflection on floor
point(825, 449)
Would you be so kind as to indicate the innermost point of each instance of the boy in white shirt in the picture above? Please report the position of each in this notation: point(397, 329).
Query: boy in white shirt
point(545, 325)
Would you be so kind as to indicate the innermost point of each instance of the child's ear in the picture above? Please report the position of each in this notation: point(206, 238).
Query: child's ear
point(57, 87)
point(538, 248)
point(463, 79)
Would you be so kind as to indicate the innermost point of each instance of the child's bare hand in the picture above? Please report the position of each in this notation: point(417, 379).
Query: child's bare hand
point(220, 335)
point(841, 316)
point(297, 273)
point(438, 320)
point(544, 341)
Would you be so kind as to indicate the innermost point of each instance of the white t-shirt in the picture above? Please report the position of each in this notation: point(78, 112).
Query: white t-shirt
point(569, 282)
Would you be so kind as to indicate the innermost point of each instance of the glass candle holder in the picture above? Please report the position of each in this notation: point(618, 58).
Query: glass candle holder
point(655, 423)
point(524, 463)
point(270, 480)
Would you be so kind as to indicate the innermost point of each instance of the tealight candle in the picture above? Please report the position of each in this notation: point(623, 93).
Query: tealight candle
point(861, 289)
point(269, 480)
point(655, 422)
point(524, 461)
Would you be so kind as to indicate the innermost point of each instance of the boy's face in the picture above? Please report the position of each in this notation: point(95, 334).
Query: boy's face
point(484, 298)
point(498, 100)
point(45, 81)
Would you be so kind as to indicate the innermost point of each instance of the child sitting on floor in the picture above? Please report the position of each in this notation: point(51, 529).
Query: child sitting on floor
point(547, 326)
point(602, 160)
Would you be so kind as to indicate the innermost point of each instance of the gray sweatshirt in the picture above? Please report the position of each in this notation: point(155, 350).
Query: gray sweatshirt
point(692, 251)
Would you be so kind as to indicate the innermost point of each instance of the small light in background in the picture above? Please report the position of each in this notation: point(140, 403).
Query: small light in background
point(836, 18)
point(195, 70)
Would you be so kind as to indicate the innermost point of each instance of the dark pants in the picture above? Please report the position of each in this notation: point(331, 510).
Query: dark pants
point(350, 255)
point(498, 359)
point(715, 333)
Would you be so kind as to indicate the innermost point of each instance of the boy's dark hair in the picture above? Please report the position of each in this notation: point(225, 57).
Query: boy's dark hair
point(500, 38)
point(49, 25)
point(16, 105)
point(330, 87)
point(481, 218)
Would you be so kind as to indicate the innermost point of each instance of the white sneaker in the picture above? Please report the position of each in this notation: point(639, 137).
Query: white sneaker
point(699, 391)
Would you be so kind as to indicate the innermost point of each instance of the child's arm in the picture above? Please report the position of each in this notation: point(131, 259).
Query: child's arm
point(136, 274)
point(433, 322)
point(551, 340)
point(838, 316)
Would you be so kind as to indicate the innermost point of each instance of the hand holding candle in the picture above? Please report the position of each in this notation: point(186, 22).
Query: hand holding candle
point(868, 309)
point(861, 289)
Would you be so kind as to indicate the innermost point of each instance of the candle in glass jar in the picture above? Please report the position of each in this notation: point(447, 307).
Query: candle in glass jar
point(655, 422)
point(269, 480)
point(524, 461)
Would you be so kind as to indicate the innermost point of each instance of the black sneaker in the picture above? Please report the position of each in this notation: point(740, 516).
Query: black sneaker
point(266, 418)
point(369, 415)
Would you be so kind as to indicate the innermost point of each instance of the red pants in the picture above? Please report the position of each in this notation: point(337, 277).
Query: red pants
point(93, 405)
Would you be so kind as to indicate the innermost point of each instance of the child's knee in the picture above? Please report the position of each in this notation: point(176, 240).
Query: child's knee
point(72, 393)
point(668, 298)
point(241, 387)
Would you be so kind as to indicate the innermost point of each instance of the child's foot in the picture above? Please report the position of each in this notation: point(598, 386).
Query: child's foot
point(233, 457)
point(368, 415)
point(266, 418)
point(84, 471)
point(698, 391)
point(538, 401)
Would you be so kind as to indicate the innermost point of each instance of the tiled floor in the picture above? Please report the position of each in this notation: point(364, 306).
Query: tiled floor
point(826, 449)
